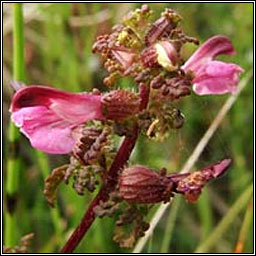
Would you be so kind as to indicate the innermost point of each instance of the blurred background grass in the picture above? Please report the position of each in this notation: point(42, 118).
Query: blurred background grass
point(58, 41)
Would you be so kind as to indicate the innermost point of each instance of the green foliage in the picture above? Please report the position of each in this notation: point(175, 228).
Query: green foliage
point(59, 54)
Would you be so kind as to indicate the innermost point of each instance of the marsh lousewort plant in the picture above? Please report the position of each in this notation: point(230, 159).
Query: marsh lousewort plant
point(84, 124)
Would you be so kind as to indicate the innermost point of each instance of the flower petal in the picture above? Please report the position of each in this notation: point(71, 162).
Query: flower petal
point(48, 116)
point(45, 130)
point(220, 167)
point(72, 107)
point(124, 56)
point(217, 77)
point(166, 55)
point(208, 51)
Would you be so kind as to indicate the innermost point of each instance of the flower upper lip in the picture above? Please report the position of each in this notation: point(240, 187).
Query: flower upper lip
point(211, 76)
point(210, 49)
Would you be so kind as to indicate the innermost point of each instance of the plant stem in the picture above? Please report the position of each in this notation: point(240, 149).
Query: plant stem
point(110, 182)
point(18, 43)
point(13, 161)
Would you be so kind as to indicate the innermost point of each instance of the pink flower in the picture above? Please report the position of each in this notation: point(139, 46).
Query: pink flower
point(211, 76)
point(124, 56)
point(49, 117)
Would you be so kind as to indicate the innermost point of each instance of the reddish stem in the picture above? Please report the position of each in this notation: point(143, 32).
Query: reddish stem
point(121, 158)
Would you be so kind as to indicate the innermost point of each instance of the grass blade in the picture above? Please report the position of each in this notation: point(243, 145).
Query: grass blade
point(227, 220)
point(244, 229)
point(173, 212)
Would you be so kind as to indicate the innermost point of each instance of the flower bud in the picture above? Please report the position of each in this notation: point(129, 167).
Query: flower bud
point(162, 26)
point(163, 54)
point(140, 184)
point(166, 55)
point(120, 104)
point(124, 56)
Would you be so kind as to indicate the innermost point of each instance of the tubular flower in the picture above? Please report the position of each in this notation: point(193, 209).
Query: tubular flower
point(52, 119)
point(48, 117)
point(211, 76)
point(139, 184)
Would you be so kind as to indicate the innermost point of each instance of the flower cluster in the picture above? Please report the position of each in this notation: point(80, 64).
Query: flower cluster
point(150, 53)
point(83, 124)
